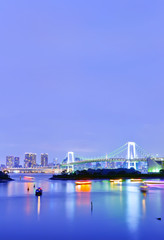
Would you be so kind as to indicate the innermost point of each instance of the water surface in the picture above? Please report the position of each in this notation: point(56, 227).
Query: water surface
point(120, 211)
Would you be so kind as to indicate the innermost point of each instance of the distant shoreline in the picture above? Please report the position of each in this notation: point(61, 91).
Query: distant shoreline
point(145, 176)
point(106, 174)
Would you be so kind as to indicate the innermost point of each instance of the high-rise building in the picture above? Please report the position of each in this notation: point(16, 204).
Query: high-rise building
point(10, 161)
point(16, 162)
point(44, 159)
point(30, 160)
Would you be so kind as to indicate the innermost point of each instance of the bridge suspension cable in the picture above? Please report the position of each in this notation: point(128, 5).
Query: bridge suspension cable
point(129, 151)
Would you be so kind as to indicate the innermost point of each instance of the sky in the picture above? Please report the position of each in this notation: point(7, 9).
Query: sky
point(84, 76)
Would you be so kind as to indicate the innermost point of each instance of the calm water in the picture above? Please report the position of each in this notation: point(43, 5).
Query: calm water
point(120, 211)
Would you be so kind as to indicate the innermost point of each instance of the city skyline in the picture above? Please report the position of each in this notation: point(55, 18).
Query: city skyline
point(16, 161)
point(64, 154)
point(128, 156)
point(44, 160)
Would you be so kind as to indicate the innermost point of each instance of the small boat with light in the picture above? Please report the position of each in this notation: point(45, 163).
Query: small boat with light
point(154, 182)
point(38, 191)
point(136, 180)
point(83, 182)
point(144, 187)
point(116, 180)
point(28, 178)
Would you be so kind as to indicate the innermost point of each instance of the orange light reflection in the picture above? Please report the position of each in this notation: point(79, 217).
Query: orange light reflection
point(38, 205)
point(83, 194)
point(83, 188)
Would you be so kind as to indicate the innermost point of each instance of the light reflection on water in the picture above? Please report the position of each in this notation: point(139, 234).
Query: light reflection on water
point(119, 210)
point(133, 207)
point(144, 204)
point(38, 205)
point(83, 194)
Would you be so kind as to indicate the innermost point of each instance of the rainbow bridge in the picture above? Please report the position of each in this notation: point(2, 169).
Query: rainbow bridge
point(129, 154)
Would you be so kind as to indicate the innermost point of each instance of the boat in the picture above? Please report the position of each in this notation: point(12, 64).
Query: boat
point(144, 187)
point(38, 191)
point(136, 180)
point(28, 178)
point(154, 182)
point(116, 180)
point(83, 182)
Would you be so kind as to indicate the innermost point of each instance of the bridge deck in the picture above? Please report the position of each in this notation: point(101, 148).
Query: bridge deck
point(104, 160)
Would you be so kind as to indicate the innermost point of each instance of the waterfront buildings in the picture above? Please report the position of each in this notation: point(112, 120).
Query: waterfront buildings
point(10, 161)
point(30, 160)
point(16, 162)
point(44, 159)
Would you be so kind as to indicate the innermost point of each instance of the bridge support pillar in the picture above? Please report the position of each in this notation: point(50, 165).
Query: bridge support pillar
point(71, 158)
point(135, 166)
point(129, 165)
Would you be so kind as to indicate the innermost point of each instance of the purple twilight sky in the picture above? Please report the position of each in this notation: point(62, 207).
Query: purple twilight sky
point(83, 76)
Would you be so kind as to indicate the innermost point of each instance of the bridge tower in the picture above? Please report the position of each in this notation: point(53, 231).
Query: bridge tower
point(71, 158)
point(131, 153)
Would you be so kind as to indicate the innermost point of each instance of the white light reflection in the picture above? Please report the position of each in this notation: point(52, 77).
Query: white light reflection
point(70, 187)
point(70, 200)
point(132, 207)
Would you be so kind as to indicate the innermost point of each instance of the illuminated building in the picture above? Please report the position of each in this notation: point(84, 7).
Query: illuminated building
point(16, 162)
point(30, 160)
point(44, 159)
point(10, 161)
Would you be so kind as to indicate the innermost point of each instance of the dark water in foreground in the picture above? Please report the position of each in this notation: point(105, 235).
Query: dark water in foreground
point(120, 211)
